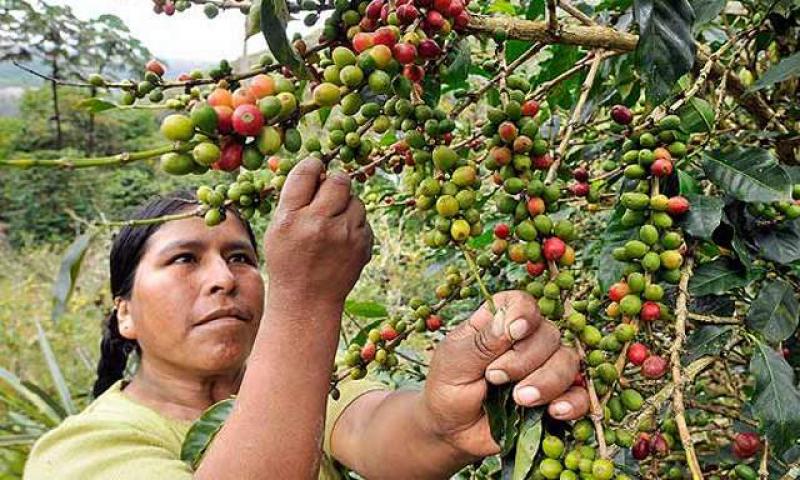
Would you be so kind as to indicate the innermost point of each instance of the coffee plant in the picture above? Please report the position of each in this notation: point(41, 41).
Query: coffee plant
point(643, 187)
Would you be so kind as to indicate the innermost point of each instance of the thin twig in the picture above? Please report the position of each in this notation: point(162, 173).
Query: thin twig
point(677, 378)
point(576, 115)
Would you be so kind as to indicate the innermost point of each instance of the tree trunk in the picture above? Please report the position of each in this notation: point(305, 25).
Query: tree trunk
point(56, 112)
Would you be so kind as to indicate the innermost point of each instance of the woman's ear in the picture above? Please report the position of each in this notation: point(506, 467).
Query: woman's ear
point(126, 325)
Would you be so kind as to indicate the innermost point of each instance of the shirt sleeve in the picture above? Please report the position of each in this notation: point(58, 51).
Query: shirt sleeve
point(349, 392)
point(102, 449)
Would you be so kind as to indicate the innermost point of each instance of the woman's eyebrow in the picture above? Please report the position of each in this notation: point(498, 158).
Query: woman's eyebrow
point(179, 244)
point(237, 245)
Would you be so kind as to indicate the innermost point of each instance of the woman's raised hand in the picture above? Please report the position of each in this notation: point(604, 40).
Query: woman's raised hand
point(319, 239)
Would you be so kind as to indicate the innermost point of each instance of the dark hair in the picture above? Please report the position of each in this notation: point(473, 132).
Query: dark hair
point(126, 253)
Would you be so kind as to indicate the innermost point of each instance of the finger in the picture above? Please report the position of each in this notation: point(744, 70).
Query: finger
point(301, 184)
point(333, 196)
point(549, 381)
point(573, 404)
point(355, 215)
point(525, 356)
point(476, 343)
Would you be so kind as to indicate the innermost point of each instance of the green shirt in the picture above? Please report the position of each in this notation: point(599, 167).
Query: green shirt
point(117, 438)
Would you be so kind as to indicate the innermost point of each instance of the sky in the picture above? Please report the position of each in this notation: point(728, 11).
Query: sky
point(186, 35)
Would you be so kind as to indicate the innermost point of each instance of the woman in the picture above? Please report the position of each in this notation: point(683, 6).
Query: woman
point(191, 301)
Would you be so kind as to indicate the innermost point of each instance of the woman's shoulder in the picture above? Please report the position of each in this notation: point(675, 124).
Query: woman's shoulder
point(110, 433)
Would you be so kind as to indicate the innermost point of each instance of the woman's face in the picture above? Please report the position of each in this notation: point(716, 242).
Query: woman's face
point(197, 297)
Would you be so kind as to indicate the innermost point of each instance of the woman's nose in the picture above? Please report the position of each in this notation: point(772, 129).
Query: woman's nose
point(219, 277)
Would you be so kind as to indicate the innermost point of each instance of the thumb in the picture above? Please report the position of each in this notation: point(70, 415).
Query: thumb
point(476, 343)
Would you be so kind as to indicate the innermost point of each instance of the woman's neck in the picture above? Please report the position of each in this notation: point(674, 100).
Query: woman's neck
point(180, 396)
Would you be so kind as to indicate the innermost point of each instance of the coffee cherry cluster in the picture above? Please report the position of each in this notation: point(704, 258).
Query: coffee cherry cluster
point(169, 7)
point(778, 211)
point(578, 462)
point(519, 159)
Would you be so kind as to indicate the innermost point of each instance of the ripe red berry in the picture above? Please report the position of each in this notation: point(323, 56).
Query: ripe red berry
point(659, 445)
point(661, 167)
point(637, 353)
point(404, 53)
point(462, 20)
point(407, 13)
point(535, 268)
point(384, 36)
point(501, 230)
point(156, 67)
point(434, 20)
point(507, 131)
point(374, 9)
point(415, 73)
point(368, 352)
point(428, 48)
point(621, 114)
point(169, 9)
point(247, 120)
point(677, 205)
point(184, 77)
point(433, 323)
point(654, 367)
point(530, 108)
point(224, 118)
point(617, 291)
point(542, 162)
point(273, 163)
point(641, 449)
point(579, 380)
point(580, 174)
point(441, 5)
point(746, 444)
point(580, 189)
point(456, 8)
point(536, 206)
point(388, 333)
point(362, 41)
point(231, 157)
point(650, 312)
point(554, 248)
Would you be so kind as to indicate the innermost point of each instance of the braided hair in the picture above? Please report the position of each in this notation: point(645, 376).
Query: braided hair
point(126, 253)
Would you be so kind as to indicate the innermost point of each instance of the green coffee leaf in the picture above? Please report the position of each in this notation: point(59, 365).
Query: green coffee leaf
point(704, 216)
point(203, 431)
point(776, 398)
point(708, 340)
point(750, 175)
point(774, 313)
point(68, 274)
point(365, 309)
point(273, 17)
point(788, 68)
point(780, 243)
point(530, 437)
point(665, 51)
point(95, 105)
point(717, 277)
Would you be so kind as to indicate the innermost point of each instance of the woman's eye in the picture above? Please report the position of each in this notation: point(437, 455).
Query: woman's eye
point(240, 258)
point(183, 258)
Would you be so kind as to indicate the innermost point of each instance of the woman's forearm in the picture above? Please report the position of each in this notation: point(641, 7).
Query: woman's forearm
point(387, 436)
point(276, 427)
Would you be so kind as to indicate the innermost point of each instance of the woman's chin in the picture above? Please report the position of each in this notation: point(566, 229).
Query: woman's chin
point(225, 352)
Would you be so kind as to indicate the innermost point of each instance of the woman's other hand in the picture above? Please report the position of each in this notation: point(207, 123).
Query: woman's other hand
point(319, 239)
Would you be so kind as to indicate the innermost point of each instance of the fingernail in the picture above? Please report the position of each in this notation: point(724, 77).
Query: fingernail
point(497, 377)
point(518, 329)
point(528, 395)
point(561, 408)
